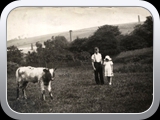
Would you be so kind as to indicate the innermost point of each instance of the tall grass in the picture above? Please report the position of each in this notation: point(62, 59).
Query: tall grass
point(133, 68)
point(11, 67)
point(137, 52)
point(140, 60)
point(75, 91)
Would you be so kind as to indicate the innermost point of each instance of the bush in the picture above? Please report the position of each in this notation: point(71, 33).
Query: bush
point(105, 37)
point(14, 55)
point(132, 42)
point(11, 67)
point(144, 56)
point(134, 67)
point(145, 31)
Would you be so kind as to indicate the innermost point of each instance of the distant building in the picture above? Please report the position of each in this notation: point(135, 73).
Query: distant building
point(70, 32)
point(139, 21)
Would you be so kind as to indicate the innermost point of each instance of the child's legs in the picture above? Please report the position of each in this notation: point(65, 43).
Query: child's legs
point(109, 78)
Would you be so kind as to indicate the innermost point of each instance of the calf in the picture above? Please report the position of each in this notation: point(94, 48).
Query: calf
point(40, 75)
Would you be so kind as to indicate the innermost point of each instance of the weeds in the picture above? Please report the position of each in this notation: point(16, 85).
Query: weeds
point(134, 68)
point(78, 93)
point(74, 89)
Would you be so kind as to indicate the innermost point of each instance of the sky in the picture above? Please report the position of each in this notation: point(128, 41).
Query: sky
point(34, 21)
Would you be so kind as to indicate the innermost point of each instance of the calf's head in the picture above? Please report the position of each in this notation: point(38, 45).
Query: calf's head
point(46, 76)
point(52, 71)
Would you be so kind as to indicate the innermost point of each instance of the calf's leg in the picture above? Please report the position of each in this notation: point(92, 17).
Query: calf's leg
point(24, 90)
point(17, 97)
point(49, 89)
point(42, 90)
point(43, 95)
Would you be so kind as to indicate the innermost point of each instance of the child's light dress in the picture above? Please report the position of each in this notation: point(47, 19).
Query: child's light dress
point(107, 68)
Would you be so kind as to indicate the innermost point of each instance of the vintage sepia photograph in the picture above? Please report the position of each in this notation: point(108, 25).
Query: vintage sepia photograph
point(80, 59)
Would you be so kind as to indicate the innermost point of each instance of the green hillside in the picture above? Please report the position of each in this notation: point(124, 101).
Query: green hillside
point(82, 33)
point(75, 33)
point(139, 60)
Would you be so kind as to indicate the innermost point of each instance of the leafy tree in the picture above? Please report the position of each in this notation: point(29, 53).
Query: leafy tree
point(14, 54)
point(83, 56)
point(32, 58)
point(50, 43)
point(106, 39)
point(132, 42)
point(78, 45)
point(145, 31)
point(54, 50)
point(38, 44)
point(11, 67)
point(108, 29)
point(61, 42)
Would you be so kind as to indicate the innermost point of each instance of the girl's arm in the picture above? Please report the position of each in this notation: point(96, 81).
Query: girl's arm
point(112, 66)
point(104, 62)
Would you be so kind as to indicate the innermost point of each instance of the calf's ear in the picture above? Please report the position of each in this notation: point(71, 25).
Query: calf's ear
point(45, 70)
point(55, 69)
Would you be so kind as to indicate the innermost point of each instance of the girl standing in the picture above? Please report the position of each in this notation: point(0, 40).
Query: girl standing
point(108, 68)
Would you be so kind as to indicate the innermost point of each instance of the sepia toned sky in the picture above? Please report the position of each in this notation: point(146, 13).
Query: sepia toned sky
point(34, 21)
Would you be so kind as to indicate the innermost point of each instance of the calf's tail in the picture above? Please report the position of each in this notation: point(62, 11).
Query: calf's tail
point(17, 74)
point(17, 81)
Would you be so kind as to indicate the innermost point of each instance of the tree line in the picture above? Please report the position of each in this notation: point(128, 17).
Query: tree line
point(107, 37)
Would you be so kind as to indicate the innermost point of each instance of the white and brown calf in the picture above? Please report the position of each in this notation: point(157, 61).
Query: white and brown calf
point(43, 76)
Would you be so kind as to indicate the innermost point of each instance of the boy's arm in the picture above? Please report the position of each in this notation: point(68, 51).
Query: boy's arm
point(92, 60)
point(101, 60)
point(93, 65)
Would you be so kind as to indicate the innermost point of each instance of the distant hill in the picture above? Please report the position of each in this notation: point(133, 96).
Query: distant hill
point(25, 44)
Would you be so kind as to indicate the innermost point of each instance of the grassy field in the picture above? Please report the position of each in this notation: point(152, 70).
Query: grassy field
point(75, 91)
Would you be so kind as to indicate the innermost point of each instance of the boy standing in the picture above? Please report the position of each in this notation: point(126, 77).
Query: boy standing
point(97, 66)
